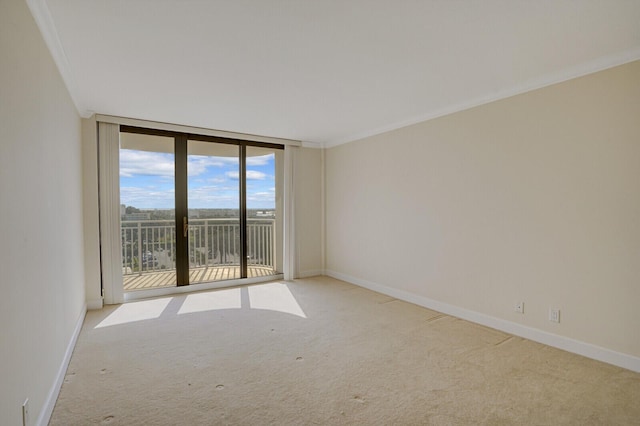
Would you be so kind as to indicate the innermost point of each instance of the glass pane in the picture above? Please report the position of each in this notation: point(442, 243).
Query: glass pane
point(264, 211)
point(147, 211)
point(214, 211)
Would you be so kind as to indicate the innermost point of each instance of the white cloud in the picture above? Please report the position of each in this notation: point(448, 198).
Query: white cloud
point(259, 161)
point(261, 199)
point(217, 180)
point(147, 197)
point(233, 175)
point(214, 197)
point(255, 175)
point(198, 164)
point(260, 196)
point(144, 163)
point(251, 175)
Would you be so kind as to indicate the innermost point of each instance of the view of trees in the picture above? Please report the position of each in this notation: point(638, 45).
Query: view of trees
point(167, 214)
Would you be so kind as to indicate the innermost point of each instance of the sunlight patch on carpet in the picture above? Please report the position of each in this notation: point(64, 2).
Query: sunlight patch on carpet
point(212, 301)
point(274, 297)
point(135, 311)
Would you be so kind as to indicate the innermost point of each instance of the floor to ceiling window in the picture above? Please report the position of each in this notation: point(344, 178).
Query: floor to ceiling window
point(198, 209)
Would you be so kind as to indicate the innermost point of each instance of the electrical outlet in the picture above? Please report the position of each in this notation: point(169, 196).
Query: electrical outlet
point(554, 315)
point(25, 413)
point(519, 307)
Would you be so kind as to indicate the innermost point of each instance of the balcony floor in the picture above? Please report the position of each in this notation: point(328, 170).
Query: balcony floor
point(149, 280)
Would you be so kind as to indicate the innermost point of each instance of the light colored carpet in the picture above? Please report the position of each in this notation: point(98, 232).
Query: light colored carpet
point(321, 351)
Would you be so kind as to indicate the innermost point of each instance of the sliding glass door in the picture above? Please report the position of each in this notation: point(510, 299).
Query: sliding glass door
point(147, 211)
point(215, 243)
point(197, 209)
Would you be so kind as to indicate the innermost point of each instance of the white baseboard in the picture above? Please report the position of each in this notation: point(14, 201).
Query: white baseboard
point(52, 397)
point(561, 342)
point(311, 273)
point(93, 304)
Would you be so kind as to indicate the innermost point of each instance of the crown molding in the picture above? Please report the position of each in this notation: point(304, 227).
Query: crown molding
point(581, 70)
point(309, 144)
point(44, 21)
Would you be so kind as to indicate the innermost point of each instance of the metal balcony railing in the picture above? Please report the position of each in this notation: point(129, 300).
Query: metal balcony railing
point(149, 245)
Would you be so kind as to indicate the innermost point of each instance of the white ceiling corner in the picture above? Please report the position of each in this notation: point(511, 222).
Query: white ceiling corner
point(323, 72)
point(42, 16)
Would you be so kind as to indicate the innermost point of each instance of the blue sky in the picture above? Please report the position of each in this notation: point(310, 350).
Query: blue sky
point(147, 181)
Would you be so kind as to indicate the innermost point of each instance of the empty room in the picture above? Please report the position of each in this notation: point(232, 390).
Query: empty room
point(319, 212)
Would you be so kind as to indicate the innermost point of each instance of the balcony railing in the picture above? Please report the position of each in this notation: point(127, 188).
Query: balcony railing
point(150, 246)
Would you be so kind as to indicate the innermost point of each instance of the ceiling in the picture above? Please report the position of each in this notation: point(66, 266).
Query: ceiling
point(325, 72)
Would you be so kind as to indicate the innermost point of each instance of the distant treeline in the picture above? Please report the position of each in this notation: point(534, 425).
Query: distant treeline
point(164, 214)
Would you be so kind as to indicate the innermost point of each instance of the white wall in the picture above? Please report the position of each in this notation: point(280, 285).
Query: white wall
point(41, 250)
point(308, 196)
point(533, 198)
